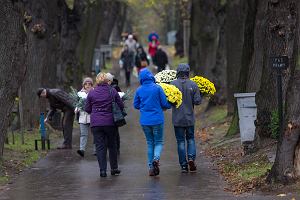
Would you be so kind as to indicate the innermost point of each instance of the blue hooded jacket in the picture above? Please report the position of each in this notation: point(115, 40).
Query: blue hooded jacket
point(150, 99)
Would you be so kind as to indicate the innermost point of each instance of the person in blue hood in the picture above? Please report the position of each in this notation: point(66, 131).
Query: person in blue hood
point(151, 100)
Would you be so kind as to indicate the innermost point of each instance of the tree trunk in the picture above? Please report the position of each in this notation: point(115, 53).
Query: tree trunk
point(276, 41)
point(234, 31)
point(286, 166)
point(286, 27)
point(247, 63)
point(12, 60)
point(207, 44)
point(90, 26)
point(119, 25)
point(110, 10)
point(71, 72)
point(43, 34)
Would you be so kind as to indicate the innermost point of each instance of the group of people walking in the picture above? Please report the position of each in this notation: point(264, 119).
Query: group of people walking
point(134, 55)
point(96, 115)
point(151, 101)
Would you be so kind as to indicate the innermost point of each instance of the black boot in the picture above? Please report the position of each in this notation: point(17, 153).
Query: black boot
point(80, 152)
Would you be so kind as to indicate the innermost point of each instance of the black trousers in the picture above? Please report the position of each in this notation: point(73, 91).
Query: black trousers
point(105, 137)
point(127, 76)
point(68, 120)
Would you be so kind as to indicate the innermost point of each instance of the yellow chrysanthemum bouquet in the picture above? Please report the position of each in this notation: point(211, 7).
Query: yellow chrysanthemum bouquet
point(173, 94)
point(206, 87)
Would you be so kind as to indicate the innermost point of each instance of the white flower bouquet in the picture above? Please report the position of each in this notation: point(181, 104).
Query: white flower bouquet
point(165, 76)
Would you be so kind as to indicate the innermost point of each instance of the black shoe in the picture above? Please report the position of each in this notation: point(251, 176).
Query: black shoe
point(184, 169)
point(115, 172)
point(80, 152)
point(103, 174)
point(156, 170)
point(193, 167)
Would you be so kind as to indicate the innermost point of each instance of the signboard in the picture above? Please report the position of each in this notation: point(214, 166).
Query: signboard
point(279, 62)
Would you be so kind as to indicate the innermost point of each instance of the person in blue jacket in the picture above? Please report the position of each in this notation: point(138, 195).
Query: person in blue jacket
point(151, 100)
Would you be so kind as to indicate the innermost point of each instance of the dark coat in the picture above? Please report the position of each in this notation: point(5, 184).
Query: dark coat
point(160, 59)
point(59, 99)
point(139, 58)
point(127, 57)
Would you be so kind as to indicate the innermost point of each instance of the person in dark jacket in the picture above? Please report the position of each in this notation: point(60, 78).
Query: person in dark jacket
point(151, 100)
point(113, 82)
point(160, 59)
point(141, 60)
point(59, 99)
point(183, 118)
point(127, 58)
point(99, 105)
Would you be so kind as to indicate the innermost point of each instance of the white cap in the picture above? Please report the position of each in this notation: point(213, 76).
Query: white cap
point(109, 76)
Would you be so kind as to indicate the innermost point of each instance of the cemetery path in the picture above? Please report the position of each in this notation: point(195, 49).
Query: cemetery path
point(64, 175)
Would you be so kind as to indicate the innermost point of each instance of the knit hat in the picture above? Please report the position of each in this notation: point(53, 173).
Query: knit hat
point(87, 79)
point(109, 77)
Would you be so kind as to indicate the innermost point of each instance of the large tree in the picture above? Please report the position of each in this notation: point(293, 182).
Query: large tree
point(12, 60)
point(283, 37)
point(207, 44)
point(43, 32)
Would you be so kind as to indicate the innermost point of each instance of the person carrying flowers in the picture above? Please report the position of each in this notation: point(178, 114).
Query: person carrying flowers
point(183, 118)
point(84, 117)
point(151, 100)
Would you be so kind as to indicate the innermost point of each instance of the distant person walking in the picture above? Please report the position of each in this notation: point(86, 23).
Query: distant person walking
point(141, 60)
point(160, 59)
point(153, 45)
point(131, 43)
point(99, 105)
point(60, 100)
point(127, 58)
point(183, 118)
point(84, 117)
point(151, 100)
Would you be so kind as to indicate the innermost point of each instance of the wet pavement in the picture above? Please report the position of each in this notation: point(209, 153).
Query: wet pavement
point(64, 175)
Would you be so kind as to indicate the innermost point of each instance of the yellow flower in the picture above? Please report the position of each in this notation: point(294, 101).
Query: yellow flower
point(206, 87)
point(172, 93)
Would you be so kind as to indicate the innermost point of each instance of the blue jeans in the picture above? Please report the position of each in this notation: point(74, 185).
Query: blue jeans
point(182, 134)
point(155, 141)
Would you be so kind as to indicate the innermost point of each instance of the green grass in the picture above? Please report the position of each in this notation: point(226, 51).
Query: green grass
point(18, 156)
point(217, 115)
point(254, 170)
point(3, 180)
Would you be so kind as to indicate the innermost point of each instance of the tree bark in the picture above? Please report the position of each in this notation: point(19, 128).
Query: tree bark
point(274, 39)
point(90, 26)
point(207, 44)
point(12, 60)
point(286, 27)
point(247, 64)
point(42, 25)
point(234, 33)
point(110, 10)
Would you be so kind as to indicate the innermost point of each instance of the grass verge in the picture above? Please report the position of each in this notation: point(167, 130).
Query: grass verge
point(18, 156)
